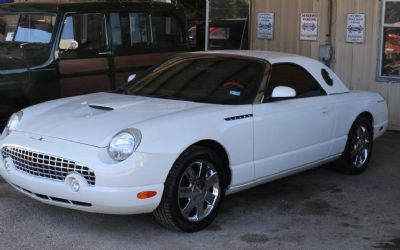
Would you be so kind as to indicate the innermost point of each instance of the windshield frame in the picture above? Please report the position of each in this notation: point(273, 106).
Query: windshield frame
point(254, 98)
point(20, 13)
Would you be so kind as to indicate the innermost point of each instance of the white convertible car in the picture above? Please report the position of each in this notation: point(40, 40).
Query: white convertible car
point(199, 126)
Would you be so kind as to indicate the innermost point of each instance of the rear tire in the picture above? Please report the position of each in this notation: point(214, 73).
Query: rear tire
point(193, 192)
point(357, 154)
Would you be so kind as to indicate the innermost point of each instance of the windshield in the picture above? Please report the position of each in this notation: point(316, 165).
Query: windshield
point(26, 28)
point(206, 79)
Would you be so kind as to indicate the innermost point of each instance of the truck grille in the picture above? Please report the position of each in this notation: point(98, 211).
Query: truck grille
point(47, 166)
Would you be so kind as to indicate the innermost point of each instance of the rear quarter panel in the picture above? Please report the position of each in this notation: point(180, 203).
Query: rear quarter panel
point(349, 106)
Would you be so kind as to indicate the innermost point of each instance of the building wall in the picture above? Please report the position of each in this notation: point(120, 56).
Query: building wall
point(356, 64)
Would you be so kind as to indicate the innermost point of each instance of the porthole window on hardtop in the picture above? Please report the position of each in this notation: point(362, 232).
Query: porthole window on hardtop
point(296, 77)
point(327, 78)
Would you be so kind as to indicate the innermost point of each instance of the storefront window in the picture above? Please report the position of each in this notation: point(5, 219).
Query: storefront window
point(390, 55)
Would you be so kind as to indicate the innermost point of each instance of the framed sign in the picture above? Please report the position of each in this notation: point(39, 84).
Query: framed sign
point(265, 26)
point(309, 26)
point(355, 28)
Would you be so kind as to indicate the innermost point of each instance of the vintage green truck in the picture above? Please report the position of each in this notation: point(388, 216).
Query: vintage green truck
point(52, 50)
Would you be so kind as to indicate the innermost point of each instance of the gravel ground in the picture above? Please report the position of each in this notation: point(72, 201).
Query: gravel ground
point(317, 209)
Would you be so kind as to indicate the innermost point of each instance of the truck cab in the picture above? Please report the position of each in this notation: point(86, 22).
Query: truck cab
point(52, 50)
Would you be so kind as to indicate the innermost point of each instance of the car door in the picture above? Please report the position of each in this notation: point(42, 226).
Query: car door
point(142, 39)
point(291, 133)
point(84, 55)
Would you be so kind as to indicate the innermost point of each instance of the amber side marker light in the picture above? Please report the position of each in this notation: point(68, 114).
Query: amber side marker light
point(146, 194)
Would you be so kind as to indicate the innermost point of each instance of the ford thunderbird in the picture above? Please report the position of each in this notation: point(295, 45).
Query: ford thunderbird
point(176, 140)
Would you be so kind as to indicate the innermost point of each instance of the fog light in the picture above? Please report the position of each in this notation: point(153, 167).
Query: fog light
point(74, 183)
point(8, 165)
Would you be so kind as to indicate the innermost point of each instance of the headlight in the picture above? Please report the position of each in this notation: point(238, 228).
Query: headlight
point(123, 144)
point(12, 123)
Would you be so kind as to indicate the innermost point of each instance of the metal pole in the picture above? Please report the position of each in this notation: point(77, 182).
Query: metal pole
point(207, 31)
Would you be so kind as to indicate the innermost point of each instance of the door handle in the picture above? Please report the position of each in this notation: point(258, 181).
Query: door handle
point(106, 53)
point(325, 110)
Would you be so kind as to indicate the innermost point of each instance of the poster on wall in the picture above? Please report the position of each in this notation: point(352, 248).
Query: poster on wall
point(265, 26)
point(309, 26)
point(355, 28)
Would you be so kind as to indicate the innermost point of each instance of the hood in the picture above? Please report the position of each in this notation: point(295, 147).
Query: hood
point(94, 119)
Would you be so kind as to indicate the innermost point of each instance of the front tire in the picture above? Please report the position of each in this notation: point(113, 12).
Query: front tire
point(193, 191)
point(357, 154)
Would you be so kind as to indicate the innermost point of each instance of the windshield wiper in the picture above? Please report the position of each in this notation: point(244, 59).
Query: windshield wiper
point(170, 98)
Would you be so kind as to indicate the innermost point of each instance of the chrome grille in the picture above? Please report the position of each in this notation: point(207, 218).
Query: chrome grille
point(47, 166)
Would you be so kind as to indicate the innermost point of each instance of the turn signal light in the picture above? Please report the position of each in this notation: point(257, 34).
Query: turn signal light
point(146, 194)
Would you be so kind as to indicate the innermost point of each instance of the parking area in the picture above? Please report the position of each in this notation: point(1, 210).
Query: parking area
point(318, 209)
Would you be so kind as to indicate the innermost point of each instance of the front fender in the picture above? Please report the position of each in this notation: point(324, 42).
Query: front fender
point(175, 133)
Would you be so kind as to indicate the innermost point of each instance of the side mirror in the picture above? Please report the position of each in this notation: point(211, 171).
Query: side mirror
point(131, 78)
point(68, 45)
point(283, 92)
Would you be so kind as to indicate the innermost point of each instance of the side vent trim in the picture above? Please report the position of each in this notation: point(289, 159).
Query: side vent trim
point(234, 118)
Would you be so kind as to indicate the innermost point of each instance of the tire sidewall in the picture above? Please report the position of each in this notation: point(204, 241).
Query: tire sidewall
point(350, 168)
point(199, 153)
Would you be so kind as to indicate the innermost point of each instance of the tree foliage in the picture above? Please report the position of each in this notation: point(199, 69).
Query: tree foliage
point(224, 9)
point(219, 9)
point(392, 14)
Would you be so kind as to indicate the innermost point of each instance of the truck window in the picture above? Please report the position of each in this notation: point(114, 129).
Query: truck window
point(130, 30)
point(167, 31)
point(89, 30)
point(27, 28)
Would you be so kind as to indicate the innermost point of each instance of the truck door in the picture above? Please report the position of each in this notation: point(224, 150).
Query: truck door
point(84, 55)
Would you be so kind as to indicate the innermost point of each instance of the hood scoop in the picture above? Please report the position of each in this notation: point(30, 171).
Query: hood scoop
point(90, 110)
point(100, 107)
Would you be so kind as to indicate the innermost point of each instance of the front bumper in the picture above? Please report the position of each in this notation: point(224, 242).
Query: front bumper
point(117, 184)
point(380, 129)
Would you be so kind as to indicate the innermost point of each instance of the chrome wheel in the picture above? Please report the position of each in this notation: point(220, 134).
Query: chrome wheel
point(360, 146)
point(198, 191)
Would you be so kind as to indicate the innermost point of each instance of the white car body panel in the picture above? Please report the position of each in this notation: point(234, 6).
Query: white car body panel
point(292, 133)
point(273, 140)
point(78, 116)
